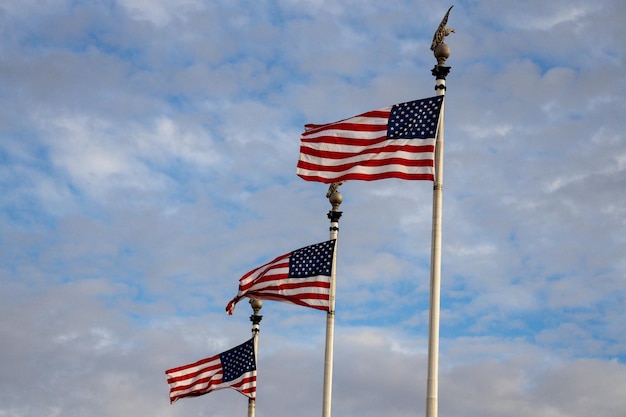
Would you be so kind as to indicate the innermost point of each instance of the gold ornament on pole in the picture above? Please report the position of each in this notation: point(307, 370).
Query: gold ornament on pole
point(438, 46)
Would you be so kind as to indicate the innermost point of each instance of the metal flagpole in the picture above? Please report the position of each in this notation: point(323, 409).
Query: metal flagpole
point(335, 199)
point(440, 71)
point(255, 318)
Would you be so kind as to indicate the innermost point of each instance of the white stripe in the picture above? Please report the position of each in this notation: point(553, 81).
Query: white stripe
point(195, 369)
point(366, 120)
point(382, 156)
point(299, 281)
point(270, 273)
point(347, 148)
point(308, 301)
point(348, 134)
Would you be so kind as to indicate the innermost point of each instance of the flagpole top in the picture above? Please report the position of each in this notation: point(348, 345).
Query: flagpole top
point(442, 53)
point(334, 196)
point(438, 46)
point(256, 305)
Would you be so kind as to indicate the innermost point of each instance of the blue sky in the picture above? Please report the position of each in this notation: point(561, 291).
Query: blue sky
point(147, 161)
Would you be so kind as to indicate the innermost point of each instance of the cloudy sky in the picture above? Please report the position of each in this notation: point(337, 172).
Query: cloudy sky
point(147, 161)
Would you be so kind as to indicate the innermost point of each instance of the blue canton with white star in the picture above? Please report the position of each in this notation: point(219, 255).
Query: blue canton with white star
point(312, 260)
point(237, 361)
point(415, 119)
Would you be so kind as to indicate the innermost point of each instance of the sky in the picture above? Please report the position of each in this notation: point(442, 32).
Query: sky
point(147, 161)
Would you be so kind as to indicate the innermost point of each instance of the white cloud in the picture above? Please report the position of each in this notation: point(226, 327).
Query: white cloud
point(161, 12)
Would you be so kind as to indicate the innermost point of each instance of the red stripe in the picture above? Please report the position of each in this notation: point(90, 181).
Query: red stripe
point(262, 279)
point(366, 163)
point(342, 140)
point(193, 374)
point(200, 382)
point(388, 148)
point(379, 114)
point(195, 364)
point(290, 286)
point(300, 297)
point(368, 177)
point(268, 266)
point(247, 380)
point(294, 300)
point(349, 127)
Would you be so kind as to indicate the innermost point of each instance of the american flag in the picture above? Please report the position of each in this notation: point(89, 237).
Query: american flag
point(394, 142)
point(300, 277)
point(235, 368)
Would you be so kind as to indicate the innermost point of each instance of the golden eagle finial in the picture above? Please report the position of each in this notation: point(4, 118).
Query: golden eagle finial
point(442, 31)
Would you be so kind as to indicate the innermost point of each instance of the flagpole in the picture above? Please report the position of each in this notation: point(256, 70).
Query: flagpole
point(255, 318)
point(335, 199)
point(440, 71)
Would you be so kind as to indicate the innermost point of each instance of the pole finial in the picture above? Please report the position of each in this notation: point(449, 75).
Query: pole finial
point(438, 46)
point(256, 318)
point(334, 196)
point(256, 304)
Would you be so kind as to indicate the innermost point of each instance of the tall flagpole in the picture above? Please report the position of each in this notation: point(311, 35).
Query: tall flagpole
point(255, 318)
point(335, 199)
point(440, 71)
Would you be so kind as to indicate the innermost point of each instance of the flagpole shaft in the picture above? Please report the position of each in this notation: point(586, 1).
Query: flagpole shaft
point(335, 199)
point(432, 388)
point(255, 318)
